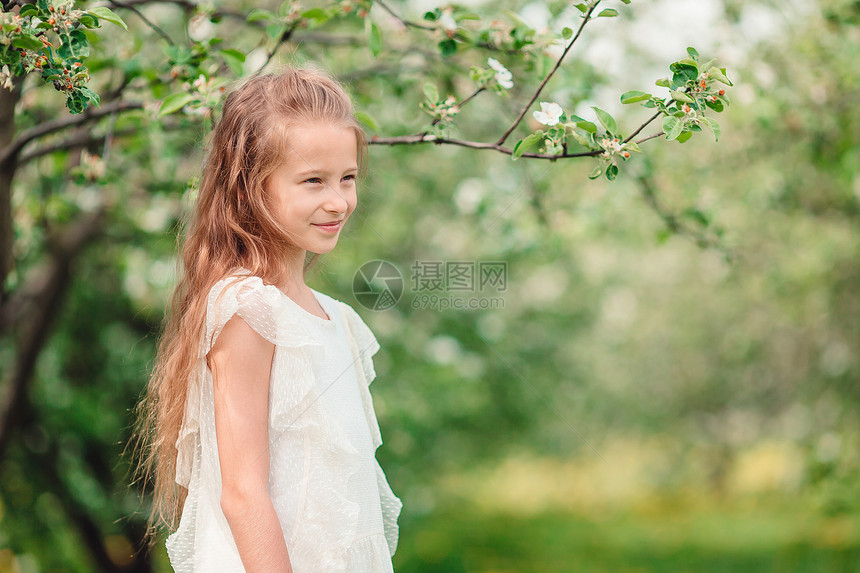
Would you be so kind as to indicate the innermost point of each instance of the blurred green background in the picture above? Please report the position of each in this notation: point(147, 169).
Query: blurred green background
point(642, 401)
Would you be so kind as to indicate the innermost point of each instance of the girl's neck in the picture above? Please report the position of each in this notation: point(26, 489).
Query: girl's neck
point(294, 283)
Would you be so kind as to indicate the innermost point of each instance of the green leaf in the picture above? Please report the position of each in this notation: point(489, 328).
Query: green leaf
point(581, 139)
point(715, 127)
point(317, 15)
point(92, 96)
point(682, 73)
point(275, 31)
point(663, 83)
point(528, 142)
point(693, 53)
point(28, 10)
point(374, 37)
point(75, 103)
point(89, 21)
point(690, 62)
point(174, 102)
point(595, 173)
point(587, 126)
point(75, 45)
point(234, 59)
point(698, 216)
point(367, 120)
point(431, 93)
point(581, 7)
point(107, 14)
point(672, 127)
point(716, 105)
point(576, 121)
point(611, 171)
point(608, 13)
point(626, 1)
point(259, 14)
point(235, 54)
point(719, 74)
point(566, 33)
point(27, 42)
point(634, 96)
point(681, 96)
point(684, 136)
point(606, 119)
point(447, 47)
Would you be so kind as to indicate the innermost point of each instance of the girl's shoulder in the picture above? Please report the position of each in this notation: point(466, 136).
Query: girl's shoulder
point(260, 305)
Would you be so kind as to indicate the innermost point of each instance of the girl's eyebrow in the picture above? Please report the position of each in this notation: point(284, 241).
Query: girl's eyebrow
point(323, 171)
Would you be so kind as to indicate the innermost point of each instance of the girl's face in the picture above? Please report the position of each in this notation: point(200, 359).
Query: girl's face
point(315, 186)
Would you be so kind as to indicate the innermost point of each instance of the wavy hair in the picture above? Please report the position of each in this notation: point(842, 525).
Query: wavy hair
point(231, 226)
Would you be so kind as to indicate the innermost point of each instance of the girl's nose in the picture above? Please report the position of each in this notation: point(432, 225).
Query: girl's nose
point(335, 200)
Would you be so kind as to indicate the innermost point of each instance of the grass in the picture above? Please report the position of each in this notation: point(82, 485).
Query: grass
point(767, 536)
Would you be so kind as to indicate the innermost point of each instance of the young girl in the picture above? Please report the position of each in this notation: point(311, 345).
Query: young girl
point(259, 407)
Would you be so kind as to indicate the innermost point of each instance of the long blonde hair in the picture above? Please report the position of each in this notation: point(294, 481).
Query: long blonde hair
point(231, 226)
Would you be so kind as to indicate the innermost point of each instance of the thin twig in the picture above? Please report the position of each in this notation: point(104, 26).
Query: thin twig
point(653, 136)
point(404, 23)
point(146, 20)
point(462, 103)
point(474, 93)
point(285, 37)
point(641, 127)
point(585, 19)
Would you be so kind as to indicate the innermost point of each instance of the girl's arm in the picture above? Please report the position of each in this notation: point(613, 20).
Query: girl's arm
point(241, 363)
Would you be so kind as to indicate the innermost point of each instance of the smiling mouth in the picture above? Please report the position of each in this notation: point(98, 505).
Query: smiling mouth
point(329, 226)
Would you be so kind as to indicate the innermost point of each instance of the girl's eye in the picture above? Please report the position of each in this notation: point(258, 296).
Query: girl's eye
point(313, 180)
point(349, 178)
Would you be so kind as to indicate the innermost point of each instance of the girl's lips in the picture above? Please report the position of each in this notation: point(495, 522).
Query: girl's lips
point(329, 228)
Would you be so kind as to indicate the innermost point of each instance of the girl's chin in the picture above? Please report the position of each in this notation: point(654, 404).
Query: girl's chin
point(322, 249)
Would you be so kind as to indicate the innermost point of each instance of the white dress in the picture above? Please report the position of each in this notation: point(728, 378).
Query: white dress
point(337, 511)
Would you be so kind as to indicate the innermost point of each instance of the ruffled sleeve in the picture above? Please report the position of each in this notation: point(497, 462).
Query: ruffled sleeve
point(365, 340)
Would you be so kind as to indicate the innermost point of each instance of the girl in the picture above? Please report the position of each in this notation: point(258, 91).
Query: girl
point(258, 407)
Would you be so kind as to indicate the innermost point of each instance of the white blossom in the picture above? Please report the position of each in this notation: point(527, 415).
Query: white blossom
point(201, 83)
point(6, 78)
point(549, 114)
point(447, 22)
point(503, 76)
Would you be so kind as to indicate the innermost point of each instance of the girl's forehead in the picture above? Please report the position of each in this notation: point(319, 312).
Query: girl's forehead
point(319, 145)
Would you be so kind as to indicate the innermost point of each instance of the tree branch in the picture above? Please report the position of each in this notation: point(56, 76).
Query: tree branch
point(675, 224)
point(8, 101)
point(50, 127)
point(420, 138)
point(34, 313)
point(80, 140)
point(188, 5)
point(585, 19)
